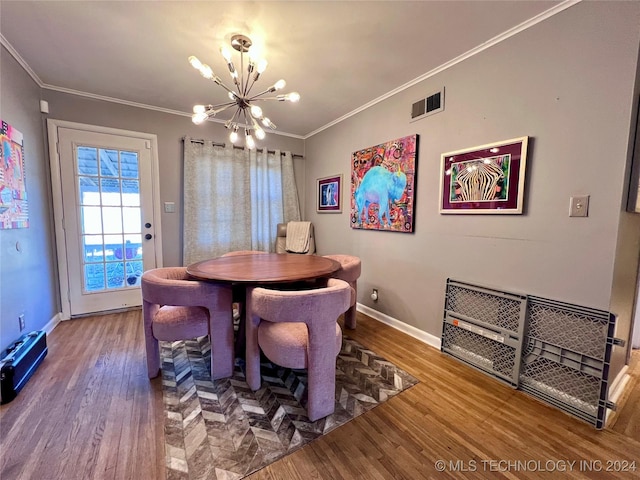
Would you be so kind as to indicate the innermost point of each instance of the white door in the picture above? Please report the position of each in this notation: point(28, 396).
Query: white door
point(108, 216)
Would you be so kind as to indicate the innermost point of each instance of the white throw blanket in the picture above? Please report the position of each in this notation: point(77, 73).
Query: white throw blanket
point(298, 234)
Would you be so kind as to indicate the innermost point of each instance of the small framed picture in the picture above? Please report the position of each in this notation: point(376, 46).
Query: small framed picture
point(329, 195)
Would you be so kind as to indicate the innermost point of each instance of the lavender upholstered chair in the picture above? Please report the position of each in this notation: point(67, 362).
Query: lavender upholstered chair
point(350, 272)
point(299, 329)
point(176, 307)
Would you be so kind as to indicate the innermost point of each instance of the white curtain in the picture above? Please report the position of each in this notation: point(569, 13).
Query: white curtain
point(233, 199)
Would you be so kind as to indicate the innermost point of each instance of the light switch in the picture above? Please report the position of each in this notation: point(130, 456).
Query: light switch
point(169, 207)
point(579, 206)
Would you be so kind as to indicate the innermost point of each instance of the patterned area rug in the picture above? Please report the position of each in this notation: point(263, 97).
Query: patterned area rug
point(223, 430)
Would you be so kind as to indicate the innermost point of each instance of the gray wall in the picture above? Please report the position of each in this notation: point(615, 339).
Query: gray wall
point(568, 84)
point(28, 279)
point(170, 129)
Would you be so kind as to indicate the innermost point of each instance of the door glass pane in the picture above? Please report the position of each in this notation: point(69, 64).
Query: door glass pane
point(131, 218)
point(91, 220)
point(131, 193)
point(133, 244)
point(113, 247)
point(108, 163)
point(94, 277)
point(93, 248)
point(115, 274)
point(134, 272)
point(88, 161)
point(109, 204)
point(110, 191)
point(112, 219)
point(89, 194)
point(129, 164)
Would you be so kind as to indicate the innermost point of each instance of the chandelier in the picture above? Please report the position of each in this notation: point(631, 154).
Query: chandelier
point(247, 113)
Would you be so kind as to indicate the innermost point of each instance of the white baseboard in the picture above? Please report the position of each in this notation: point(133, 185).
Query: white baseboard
point(619, 384)
point(617, 389)
point(53, 323)
point(421, 335)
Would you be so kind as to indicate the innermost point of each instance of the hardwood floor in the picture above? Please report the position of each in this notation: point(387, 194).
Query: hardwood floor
point(90, 412)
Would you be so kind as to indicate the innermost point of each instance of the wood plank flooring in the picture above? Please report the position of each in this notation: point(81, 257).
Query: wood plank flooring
point(90, 412)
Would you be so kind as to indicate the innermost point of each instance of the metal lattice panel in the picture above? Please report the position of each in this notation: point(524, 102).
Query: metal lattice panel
point(576, 330)
point(492, 309)
point(565, 384)
point(567, 355)
point(482, 352)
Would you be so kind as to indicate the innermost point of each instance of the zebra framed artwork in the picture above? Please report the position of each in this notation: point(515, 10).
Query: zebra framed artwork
point(485, 179)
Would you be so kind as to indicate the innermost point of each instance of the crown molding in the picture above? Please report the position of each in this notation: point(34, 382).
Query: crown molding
point(12, 51)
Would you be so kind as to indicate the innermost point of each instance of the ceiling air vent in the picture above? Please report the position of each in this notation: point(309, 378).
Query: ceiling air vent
point(424, 107)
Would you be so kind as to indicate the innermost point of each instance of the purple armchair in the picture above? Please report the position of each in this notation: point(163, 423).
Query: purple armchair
point(350, 272)
point(175, 307)
point(299, 329)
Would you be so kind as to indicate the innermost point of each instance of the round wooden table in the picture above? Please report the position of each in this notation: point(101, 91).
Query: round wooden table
point(265, 268)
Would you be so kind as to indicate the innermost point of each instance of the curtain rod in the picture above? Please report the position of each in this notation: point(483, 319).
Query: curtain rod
point(218, 144)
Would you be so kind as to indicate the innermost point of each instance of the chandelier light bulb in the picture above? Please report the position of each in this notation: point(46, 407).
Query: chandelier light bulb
point(256, 111)
point(233, 136)
point(262, 65)
point(250, 143)
point(226, 53)
point(198, 118)
point(260, 133)
point(199, 109)
point(280, 84)
point(232, 96)
point(268, 123)
point(195, 63)
point(293, 97)
point(206, 72)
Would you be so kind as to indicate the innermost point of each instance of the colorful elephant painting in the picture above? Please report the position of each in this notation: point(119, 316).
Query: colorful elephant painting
point(382, 186)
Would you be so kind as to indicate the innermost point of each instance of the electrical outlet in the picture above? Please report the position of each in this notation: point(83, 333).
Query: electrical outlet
point(21, 321)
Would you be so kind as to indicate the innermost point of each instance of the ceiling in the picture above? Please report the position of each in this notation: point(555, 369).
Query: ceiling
point(339, 55)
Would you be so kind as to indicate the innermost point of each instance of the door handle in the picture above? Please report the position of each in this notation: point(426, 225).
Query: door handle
point(148, 236)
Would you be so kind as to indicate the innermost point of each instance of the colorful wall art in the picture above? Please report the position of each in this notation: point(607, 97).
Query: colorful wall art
point(485, 179)
point(14, 212)
point(382, 185)
point(329, 194)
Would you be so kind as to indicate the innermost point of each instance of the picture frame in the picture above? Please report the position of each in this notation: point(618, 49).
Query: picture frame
point(329, 194)
point(489, 179)
point(383, 185)
point(14, 208)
